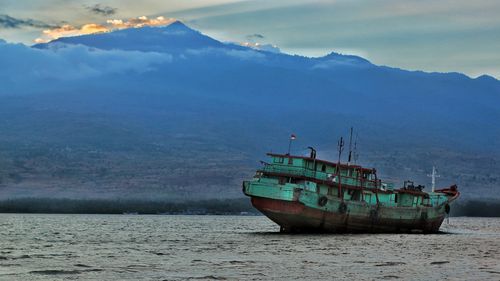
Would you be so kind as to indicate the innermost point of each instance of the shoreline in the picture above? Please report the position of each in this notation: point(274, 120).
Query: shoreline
point(216, 207)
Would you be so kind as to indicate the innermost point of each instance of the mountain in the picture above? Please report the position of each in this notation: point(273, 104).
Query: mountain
point(176, 37)
point(168, 112)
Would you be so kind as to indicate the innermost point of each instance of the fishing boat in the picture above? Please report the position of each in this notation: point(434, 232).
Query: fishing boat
point(306, 194)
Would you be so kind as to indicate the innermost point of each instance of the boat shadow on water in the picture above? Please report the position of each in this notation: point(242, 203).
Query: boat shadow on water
point(326, 233)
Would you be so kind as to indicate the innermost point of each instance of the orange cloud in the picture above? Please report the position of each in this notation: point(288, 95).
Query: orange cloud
point(93, 28)
point(69, 30)
point(90, 28)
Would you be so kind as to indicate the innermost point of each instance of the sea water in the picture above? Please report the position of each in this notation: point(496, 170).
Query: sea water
point(160, 247)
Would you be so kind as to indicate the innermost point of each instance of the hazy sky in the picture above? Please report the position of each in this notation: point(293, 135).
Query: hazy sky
point(444, 35)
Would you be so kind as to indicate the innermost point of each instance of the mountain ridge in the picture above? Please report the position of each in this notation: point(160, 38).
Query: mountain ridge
point(150, 37)
point(178, 27)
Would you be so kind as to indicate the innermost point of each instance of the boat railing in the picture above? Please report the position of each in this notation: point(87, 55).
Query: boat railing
point(296, 171)
point(319, 175)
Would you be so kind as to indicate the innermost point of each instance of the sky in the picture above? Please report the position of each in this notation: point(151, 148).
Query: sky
point(436, 36)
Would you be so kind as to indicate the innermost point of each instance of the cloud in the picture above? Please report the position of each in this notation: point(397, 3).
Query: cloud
point(239, 54)
point(7, 21)
point(69, 30)
point(262, 47)
point(245, 55)
point(110, 25)
point(101, 10)
point(139, 22)
point(22, 64)
point(253, 42)
point(254, 36)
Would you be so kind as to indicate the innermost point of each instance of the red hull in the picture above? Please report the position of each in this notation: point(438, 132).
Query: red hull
point(296, 217)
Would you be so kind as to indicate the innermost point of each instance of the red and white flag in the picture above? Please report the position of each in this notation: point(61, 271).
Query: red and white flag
point(293, 137)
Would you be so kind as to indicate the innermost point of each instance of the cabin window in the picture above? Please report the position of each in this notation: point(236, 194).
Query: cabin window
point(395, 198)
point(323, 168)
point(425, 201)
point(278, 160)
point(290, 161)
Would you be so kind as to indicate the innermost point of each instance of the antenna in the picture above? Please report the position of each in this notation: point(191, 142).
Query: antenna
point(433, 176)
point(355, 154)
point(340, 146)
point(350, 149)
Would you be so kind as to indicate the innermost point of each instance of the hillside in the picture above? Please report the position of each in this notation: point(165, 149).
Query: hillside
point(168, 112)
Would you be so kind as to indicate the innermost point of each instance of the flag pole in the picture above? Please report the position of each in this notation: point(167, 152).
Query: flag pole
point(292, 137)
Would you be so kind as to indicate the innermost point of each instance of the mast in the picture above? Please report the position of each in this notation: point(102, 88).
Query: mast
point(355, 154)
point(313, 156)
point(433, 176)
point(340, 147)
point(350, 149)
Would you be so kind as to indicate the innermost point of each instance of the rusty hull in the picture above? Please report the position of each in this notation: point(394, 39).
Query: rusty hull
point(293, 216)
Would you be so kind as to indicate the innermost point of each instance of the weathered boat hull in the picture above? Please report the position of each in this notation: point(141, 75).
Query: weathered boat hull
point(293, 216)
point(304, 194)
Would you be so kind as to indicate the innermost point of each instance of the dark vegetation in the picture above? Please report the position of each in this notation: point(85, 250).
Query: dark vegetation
point(238, 206)
point(476, 208)
point(111, 206)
